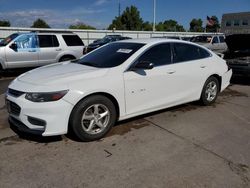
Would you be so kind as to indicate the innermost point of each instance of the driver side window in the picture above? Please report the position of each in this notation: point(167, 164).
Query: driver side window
point(25, 42)
point(158, 55)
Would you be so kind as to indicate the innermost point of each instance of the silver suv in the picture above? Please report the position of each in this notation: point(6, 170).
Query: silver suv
point(35, 49)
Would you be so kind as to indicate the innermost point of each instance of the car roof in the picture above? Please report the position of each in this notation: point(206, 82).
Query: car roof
point(152, 40)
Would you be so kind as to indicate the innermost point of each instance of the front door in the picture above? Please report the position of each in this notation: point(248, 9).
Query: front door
point(26, 53)
point(146, 89)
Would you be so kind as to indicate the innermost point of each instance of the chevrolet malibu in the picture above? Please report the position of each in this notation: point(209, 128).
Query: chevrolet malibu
point(115, 82)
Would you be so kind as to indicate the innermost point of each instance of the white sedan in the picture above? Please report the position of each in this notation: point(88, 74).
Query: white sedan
point(115, 82)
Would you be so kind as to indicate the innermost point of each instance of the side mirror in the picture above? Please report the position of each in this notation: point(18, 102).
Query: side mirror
point(13, 46)
point(143, 65)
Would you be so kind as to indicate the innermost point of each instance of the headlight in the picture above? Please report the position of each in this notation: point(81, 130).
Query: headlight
point(45, 97)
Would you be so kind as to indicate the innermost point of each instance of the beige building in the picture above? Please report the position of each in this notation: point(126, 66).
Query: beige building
point(236, 23)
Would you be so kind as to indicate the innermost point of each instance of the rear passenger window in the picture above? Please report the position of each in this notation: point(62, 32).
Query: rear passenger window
point(159, 55)
point(215, 40)
point(72, 40)
point(48, 41)
point(222, 39)
point(187, 52)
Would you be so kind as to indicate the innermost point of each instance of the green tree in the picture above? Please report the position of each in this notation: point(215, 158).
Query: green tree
point(196, 25)
point(81, 26)
point(146, 26)
point(215, 26)
point(169, 25)
point(4, 23)
point(129, 20)
point(39, 23)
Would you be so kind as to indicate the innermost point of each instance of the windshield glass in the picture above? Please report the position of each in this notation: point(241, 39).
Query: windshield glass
point(7, 40)
point(105, 39)
point(111, 55)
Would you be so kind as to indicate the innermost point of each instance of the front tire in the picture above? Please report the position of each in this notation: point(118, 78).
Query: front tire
point(210, 91)
point(92, 118)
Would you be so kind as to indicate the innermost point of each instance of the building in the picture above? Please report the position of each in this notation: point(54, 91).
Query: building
point(236, 23)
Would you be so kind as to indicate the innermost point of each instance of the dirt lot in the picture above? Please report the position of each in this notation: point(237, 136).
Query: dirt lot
point(185, 146)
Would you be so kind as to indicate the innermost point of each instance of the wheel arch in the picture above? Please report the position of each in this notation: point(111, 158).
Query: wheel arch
point(218, 78)
point(108, 95)
point(66, 55)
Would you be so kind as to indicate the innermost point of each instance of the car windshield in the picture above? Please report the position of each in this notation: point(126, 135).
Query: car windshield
point(105, 39)
point(8, 39)
point(111, 55)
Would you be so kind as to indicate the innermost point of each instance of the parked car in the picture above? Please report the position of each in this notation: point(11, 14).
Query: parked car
point(107, 39)
point(215, 43)
point(35, 49)
point(115, 82)
point(168, 37)
point(238, 54)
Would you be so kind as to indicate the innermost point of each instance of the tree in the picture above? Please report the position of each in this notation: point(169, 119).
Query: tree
point(129, 20)
point(4, 23)
point(196, 25)
point(169, 25)
point(39, 23)
point(146, 26)
point(214, 25)
point(81, 26)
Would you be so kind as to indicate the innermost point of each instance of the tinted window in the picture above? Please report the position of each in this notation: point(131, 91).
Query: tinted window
point(245, 22)
point(47, 41)
point(72, 40)
point(236, 22)
point(222, 39)
point(159, 55)
point(228, 23)
point(215, 40)
point(188, 52)
point(111, 55)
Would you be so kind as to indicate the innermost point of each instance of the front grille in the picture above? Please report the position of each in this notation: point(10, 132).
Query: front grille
point(13, 108)
point(15, 93)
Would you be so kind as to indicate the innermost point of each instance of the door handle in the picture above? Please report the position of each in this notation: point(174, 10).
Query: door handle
point(203, 66)
point(59, 49)
point(171, 71)
point(32, 51)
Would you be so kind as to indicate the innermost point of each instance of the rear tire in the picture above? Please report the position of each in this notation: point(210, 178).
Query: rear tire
point(210, 91)
point(92, 118)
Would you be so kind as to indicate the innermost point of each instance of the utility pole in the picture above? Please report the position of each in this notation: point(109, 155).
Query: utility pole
point(154, 15)
point(119, 8)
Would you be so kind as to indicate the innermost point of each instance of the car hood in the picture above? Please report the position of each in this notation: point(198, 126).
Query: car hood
point(61, 73)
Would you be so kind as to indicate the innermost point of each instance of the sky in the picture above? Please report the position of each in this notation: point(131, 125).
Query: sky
point(100, 13)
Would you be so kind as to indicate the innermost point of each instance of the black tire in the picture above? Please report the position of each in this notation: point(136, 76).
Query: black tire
point(77, 126)
point(66, 58)
point(205, 99)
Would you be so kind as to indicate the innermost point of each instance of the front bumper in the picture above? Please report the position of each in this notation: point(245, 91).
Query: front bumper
point(28, 117)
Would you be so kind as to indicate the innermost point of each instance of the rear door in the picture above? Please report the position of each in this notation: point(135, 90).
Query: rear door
point(192, 68)
point(49, 49)
point(26, 54)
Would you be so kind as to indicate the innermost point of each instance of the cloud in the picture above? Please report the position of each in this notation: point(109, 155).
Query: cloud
point(56, 19)
point(100, 2)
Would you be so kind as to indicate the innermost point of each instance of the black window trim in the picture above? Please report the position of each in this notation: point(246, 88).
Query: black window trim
point(172, 55)
point(53, 42)
point(210, 55)
point(136, 60)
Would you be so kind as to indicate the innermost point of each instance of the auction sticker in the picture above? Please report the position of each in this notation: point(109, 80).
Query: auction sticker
point(126, 51)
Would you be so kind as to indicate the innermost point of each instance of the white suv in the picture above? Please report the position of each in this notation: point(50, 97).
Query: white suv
point(39, 48)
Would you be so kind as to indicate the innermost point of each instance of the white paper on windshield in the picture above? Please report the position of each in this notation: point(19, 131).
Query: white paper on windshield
point(126, 51)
